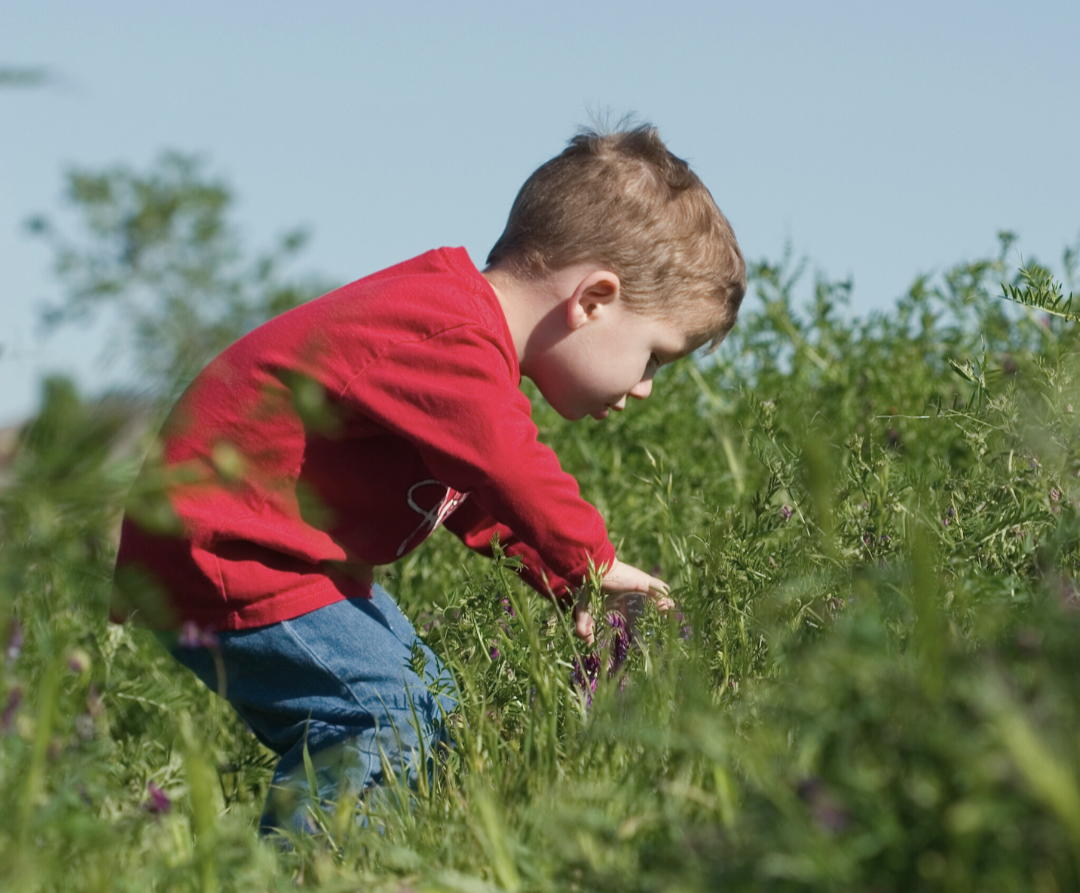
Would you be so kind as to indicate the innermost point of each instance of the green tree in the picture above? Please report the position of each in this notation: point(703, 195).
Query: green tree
point(157, 254)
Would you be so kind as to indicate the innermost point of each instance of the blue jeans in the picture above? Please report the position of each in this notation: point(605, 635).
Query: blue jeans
point(342, 679)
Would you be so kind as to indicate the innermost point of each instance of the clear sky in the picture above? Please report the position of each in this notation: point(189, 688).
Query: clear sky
point(883, 140)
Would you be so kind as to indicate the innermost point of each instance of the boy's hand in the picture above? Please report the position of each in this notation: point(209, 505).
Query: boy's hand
point(621, 579)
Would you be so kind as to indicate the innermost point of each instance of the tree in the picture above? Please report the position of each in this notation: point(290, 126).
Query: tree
point(157, 253)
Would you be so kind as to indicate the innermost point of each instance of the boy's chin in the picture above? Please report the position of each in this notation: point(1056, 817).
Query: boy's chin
point(575, 413)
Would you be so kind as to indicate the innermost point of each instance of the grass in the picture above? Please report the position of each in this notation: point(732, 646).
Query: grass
point(871, 529)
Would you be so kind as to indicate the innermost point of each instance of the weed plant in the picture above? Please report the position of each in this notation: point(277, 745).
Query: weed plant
point(870, 682)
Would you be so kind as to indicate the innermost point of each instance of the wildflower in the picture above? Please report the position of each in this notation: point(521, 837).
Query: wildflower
point(685, 630)
point(15, 641)
point(884, 539)
point(586, 669)
point(192, 636)
point(785, 512)
point(494, 653)
point(868, 539)
point(7, 718)
point(508, 608)
point(620, 644)
point(159, 802)
point(78, 661)
point(828, 814)
point(1055, 494)
point(84, 726)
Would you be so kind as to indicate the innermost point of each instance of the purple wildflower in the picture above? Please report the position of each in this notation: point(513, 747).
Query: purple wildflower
point(586, 669)
point(868, 539)
point(159, 802)
point(620, 642)
point(828, 814)
point(7, 719)
point(15, 641)
point(78, 661)
point(884, 540)
point(785, 512)
point(508, 608)
point(685, 630)
point(192, 636)
point(494, 653)
point(1055, 494)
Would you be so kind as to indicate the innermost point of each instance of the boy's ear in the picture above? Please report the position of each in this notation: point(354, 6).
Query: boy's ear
point(594, 293)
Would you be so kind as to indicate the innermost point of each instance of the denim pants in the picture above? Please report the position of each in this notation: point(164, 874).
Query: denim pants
point(343, 679)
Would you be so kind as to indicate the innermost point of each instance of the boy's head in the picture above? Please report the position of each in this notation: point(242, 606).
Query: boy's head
point(622, 200)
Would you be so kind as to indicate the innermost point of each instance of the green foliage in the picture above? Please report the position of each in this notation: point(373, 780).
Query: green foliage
point(872, 530)
point(156, 251)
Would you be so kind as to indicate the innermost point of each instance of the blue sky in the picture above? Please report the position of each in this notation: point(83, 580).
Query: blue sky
point(882, 140)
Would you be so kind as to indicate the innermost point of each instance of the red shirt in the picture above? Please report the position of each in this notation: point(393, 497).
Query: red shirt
point(338, 436)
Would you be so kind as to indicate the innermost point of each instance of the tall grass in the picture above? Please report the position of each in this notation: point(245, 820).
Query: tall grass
point(869, 683)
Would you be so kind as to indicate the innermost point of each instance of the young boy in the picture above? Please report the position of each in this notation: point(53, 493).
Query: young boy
point(339, 435)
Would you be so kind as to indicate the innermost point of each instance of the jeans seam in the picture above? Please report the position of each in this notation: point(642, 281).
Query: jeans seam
point(352, 697)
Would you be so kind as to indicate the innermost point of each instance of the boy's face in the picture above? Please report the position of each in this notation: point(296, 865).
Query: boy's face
point(609, 354)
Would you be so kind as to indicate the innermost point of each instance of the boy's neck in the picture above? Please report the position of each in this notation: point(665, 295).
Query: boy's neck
point(535, 306)
point(525, 301)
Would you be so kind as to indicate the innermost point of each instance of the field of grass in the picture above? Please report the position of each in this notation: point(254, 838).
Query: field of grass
point(871, 681)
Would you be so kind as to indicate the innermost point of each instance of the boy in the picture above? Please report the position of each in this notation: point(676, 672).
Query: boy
point(338, 436)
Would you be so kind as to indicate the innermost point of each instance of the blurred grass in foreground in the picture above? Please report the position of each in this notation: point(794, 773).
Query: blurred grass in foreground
point(872, 531)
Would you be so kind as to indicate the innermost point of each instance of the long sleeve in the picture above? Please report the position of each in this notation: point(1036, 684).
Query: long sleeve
point(476, 529)
point(455, 398)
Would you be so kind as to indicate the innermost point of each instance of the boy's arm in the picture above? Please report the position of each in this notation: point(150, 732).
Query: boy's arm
point(476, 529)
point(455, 397)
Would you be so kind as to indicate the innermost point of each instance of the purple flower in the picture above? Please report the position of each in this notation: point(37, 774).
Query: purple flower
point(78, 661)
point(884, 539)
point(685, 630)
point(7, 719)
point(586, 669)
point(508, 608)
point(785, 512)
point(868, 539)
point(159, 802)
point(494, 653)
point(828, 814)
point(1055, 494)
point(15, 641)
point(191, 636)
point(620, 642)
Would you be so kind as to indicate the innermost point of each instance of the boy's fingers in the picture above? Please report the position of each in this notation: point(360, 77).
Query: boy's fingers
point(583, 625)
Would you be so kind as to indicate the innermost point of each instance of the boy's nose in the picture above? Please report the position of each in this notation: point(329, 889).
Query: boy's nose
point(642, 389)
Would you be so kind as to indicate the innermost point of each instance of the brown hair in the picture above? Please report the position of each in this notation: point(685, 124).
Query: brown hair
point(623, 200)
